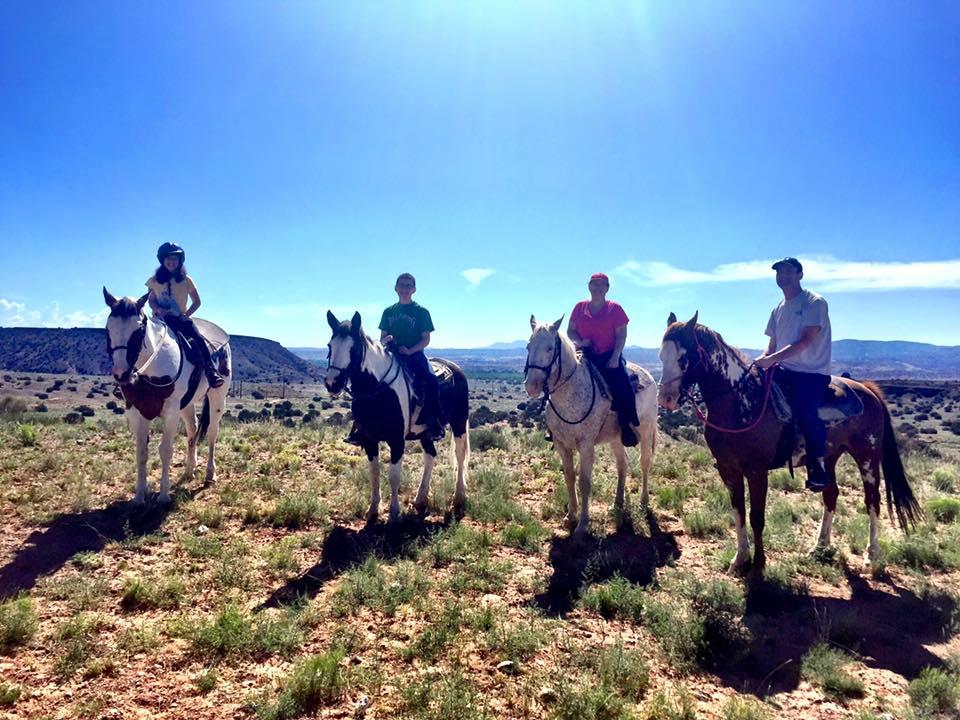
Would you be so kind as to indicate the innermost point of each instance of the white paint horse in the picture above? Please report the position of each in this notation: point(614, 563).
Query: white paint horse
point(158, 380)
point(580, 417)
point(384, 412)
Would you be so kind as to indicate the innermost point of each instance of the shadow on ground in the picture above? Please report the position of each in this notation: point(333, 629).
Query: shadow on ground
point(887, 627)
point(579, 562)
point(46, 550)
point(346, 548)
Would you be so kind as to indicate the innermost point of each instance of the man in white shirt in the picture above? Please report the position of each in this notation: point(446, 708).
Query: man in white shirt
point(799, 331)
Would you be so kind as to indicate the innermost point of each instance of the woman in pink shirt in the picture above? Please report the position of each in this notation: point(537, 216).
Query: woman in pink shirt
point(598, 327)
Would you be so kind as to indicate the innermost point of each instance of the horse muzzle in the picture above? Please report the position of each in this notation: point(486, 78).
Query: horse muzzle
point(534, 387)
point(668, 397)
point(334, 385)
point(126, 377)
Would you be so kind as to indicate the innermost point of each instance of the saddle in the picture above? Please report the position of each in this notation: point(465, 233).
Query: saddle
point(838, 403)
point(216, 338)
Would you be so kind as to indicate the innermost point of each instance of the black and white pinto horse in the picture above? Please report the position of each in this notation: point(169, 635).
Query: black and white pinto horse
point(580, 415)
point(386, 410)
point(157, 379)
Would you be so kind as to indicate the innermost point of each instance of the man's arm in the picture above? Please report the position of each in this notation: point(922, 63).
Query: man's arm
point(808, 336)
point(620, 339)
point(424, 341)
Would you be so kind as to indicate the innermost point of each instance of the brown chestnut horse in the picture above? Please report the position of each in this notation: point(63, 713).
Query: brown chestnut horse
point(743, 433)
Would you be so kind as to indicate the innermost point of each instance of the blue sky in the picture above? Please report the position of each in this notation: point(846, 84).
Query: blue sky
point(305, 153)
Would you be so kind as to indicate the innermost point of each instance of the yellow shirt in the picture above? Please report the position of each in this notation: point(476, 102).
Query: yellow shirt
point(172, 295)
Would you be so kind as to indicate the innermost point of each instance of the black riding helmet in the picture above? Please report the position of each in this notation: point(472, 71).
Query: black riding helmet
point(168, 249)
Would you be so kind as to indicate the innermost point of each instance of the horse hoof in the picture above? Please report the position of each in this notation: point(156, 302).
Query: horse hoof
point(570, 523)
point(644, 500)
point(420, 508)
point(580, 531)
point(737, 567)
point(139, 501)
point(163, 499)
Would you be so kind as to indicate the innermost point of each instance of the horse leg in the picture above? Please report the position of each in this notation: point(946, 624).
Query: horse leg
point(189, 415)
point(870, 474)
point(461, 447)
point(396, 474)
point(586, 482)
point(218, 401)
point(373, 458)
point(140, 427)
point(170, 425)
point(423, 493)
point(733, 479)
point(620, 454)
point(648, 440)
point(758, 505)
point(830, 495)
point(570, 475)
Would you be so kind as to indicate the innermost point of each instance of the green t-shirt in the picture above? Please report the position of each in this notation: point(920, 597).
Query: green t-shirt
point(406, 323)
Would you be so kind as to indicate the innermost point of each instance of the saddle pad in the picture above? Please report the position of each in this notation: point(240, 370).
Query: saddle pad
point(215, 335)
point(838, 403)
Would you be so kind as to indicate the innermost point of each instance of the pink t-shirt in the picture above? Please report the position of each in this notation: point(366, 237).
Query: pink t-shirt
point(600, 329)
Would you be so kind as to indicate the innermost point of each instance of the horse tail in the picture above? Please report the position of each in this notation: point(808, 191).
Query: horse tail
point(204, 419)
point(900, 497)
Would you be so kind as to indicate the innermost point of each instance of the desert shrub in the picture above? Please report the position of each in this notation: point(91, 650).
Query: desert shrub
point(257, 395)
point(484, 439)
point(675, 704)
point(27, 434)
point(944, 478)
point(618, 598)
point(438, 635)
point(824, 666)
point(85, 410)
point(9, 694)
point(40, 408)
point(945, 509)
point(146, 593)
point(297, 510)
point(316, 681)
point(73, 418)
point(18, 622)
point(742, 708)
point(10, 405)
point(77, 639)
point(230, 632)
point(935, 692)
point(379, 587)
point(622, 669)
point(526, 535)
point(703, 523)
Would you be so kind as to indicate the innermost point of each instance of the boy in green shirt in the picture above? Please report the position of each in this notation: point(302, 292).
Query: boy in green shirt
point(405, 328)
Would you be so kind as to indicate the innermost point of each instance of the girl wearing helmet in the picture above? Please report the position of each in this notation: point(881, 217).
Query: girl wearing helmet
point(170, 289)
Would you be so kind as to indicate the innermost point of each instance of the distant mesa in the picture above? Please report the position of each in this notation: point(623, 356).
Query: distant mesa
point(82, 351)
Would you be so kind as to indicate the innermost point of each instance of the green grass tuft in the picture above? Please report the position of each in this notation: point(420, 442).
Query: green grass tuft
point(18, 623)
point(824, 666)
point(935, 692)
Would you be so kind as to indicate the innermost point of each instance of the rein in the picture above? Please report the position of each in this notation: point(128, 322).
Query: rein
point(701, 359)
point(138, 371)
point(547, 370)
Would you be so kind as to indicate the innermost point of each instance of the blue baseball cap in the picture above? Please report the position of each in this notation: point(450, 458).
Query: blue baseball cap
point(792, 261)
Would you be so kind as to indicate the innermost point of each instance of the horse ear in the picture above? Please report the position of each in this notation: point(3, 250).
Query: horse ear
point(142, 301)
point(671, 319)
point(533, 322)
point(692, 323)
point(332, 321)
point(108, 298)
point(556, 326)
point(355, 323)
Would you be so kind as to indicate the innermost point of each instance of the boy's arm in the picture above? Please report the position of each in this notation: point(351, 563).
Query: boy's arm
point(424, 341)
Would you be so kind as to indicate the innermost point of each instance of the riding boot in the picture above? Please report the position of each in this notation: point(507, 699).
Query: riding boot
point(353, 438)
point(818, 479)
point(628, 436)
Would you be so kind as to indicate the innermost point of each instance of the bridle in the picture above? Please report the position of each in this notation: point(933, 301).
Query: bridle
point(134, 347)
point(356, 362)
point(547, 370)
point(686, 395)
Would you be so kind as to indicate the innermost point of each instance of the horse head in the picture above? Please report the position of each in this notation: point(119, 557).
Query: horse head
point(678, 346)
point(543, 352)
point(343, 351)
point(126, 327)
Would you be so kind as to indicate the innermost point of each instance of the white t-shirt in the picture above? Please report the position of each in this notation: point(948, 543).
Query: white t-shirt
point(786, 324)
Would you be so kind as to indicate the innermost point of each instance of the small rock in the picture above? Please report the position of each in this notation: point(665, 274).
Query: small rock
point(547, 694)
point(361, 708)
point(507, 666)
point(202, 529)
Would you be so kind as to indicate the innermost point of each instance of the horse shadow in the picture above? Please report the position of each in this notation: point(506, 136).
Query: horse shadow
point(580, 562)
point(886, 629)
point(346, 548)
point(49, 548)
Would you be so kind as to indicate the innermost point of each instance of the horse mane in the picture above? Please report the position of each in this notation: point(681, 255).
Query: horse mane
point(709, 339)
point(124, 308)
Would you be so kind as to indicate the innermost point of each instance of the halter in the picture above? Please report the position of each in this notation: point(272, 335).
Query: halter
point(356, 364)
point(547, 370)
point(684, 392)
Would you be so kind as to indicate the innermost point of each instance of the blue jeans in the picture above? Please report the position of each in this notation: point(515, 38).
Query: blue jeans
point(804, 392)
point(424, 377)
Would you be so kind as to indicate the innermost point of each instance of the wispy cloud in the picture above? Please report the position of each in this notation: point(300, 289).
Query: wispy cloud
point(10, 305)
point(16, 314)
point(475, 276)
point(826, 272)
